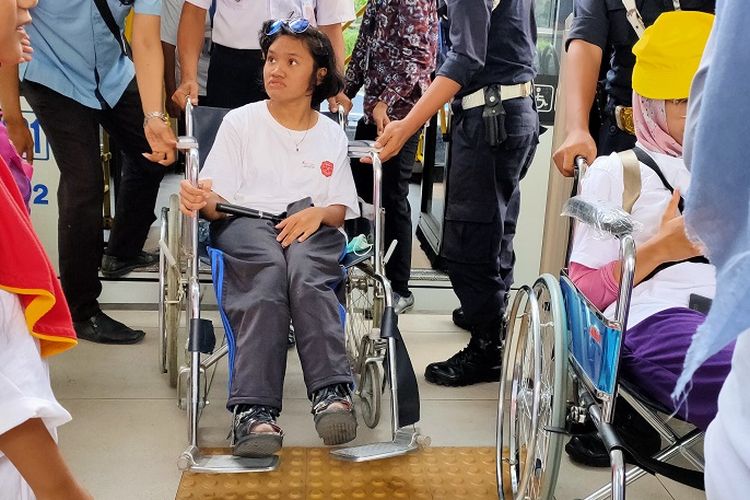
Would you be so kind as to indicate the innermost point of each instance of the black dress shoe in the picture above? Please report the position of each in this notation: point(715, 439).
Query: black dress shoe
point(471, 365)
point(459, 319)
point(116, 267)
point(102, 329)
point(633, 430)
point(587, 449)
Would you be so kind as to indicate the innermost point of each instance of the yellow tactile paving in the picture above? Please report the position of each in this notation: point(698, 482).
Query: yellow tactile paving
point(312, 474)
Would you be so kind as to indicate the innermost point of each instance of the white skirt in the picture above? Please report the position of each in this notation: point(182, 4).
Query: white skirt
point(25, 390)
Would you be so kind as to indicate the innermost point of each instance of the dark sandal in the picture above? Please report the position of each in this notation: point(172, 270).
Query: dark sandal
point(246, 442)
point(334, 425)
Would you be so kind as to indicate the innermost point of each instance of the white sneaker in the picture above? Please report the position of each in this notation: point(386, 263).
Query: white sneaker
point(402, 304)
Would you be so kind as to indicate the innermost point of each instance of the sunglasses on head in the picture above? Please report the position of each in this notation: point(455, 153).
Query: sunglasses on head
point(297, 26)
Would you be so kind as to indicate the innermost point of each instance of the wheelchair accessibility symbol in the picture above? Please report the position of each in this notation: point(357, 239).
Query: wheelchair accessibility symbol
point(545, 95)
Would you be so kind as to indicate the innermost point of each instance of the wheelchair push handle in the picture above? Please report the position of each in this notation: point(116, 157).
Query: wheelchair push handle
point(240, 211)
point(580, 166)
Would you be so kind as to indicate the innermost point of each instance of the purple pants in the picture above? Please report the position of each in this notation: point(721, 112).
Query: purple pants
point(653, 355)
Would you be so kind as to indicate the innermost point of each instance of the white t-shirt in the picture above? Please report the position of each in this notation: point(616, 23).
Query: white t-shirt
point(254, 162)
point(170, 21)
point(25, 390)
point(670, 287)
point(237, 23)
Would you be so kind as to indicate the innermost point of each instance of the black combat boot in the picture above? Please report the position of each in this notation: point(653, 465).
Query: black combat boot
point(480, 361)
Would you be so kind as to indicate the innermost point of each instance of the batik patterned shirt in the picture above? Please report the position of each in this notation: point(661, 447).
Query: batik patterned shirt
point(394, 54)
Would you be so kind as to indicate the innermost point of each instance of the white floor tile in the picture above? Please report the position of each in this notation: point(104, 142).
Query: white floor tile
point(124, 449)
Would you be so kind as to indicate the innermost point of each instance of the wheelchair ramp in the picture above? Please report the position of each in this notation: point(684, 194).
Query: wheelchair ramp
point(312, 474)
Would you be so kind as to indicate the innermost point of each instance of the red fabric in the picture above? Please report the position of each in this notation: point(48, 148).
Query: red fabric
point(598, 285)
point(26, 271)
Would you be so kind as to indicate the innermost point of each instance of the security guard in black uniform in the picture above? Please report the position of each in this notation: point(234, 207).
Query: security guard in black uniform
point(611, 28)
point(489, 69)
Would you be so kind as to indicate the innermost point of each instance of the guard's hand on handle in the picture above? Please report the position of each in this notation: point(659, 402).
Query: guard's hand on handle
point(391, 141)
point(299, 226)
point(193, 198)
point(187, 88)
point(577, 143)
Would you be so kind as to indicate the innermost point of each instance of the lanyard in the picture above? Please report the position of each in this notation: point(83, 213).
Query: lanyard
point(634, 17)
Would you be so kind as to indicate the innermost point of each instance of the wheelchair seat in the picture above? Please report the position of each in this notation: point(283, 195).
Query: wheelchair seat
point(635, 390)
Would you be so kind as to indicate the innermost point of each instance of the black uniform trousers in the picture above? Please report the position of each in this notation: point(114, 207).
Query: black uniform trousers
point(396, 174)
point(482, 205)
point(235, 77)
point(73, 133)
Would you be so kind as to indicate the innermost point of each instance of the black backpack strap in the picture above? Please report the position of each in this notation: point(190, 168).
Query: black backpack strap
point(646, 159)
point(109, 20)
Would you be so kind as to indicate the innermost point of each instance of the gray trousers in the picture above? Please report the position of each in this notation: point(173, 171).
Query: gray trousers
point(264, 285)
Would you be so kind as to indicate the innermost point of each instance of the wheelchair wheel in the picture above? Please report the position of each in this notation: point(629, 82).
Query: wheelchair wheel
point(531, 410)
point(162, 292)
point(370, 390)
point(362, 318)
point(175, 337)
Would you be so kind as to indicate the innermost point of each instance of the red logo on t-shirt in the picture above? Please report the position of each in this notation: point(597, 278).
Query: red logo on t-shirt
point(326, 168)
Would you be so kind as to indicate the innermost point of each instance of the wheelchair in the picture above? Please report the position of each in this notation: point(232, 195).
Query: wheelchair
point(560, 366)
point(375, 348)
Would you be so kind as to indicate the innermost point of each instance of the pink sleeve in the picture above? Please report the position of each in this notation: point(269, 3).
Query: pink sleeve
point(598, 285)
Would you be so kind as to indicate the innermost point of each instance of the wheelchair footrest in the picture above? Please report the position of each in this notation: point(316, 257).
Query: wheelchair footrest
point(404, 442)
point(193, 460)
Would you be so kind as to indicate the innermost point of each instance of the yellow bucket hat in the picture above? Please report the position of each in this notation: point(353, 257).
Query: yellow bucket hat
point(668, 54)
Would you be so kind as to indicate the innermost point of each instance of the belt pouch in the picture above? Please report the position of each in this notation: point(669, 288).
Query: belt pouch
point(493, 116)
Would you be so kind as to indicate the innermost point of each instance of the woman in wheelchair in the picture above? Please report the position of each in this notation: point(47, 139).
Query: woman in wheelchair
point(671, 281)
point(276, 156)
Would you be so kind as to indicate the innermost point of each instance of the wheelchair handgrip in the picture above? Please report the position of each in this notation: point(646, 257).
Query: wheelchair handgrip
point(609, 219)
point(240, 211)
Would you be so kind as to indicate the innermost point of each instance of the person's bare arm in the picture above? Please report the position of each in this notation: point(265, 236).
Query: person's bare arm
point(583, 62)
point(190, 33)
point(149, 70)
point(669, 244)
point(336, 35)
point(397, 132)
point(35, 455)
point(10, 102)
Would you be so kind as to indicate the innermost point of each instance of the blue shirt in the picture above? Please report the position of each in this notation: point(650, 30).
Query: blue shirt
point(75, 53)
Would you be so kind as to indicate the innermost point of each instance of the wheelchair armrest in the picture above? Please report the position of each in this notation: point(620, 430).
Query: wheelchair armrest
point(601, 216)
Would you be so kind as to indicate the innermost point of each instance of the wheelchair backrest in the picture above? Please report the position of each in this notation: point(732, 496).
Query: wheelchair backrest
point(593, 340)
point(206, 121)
